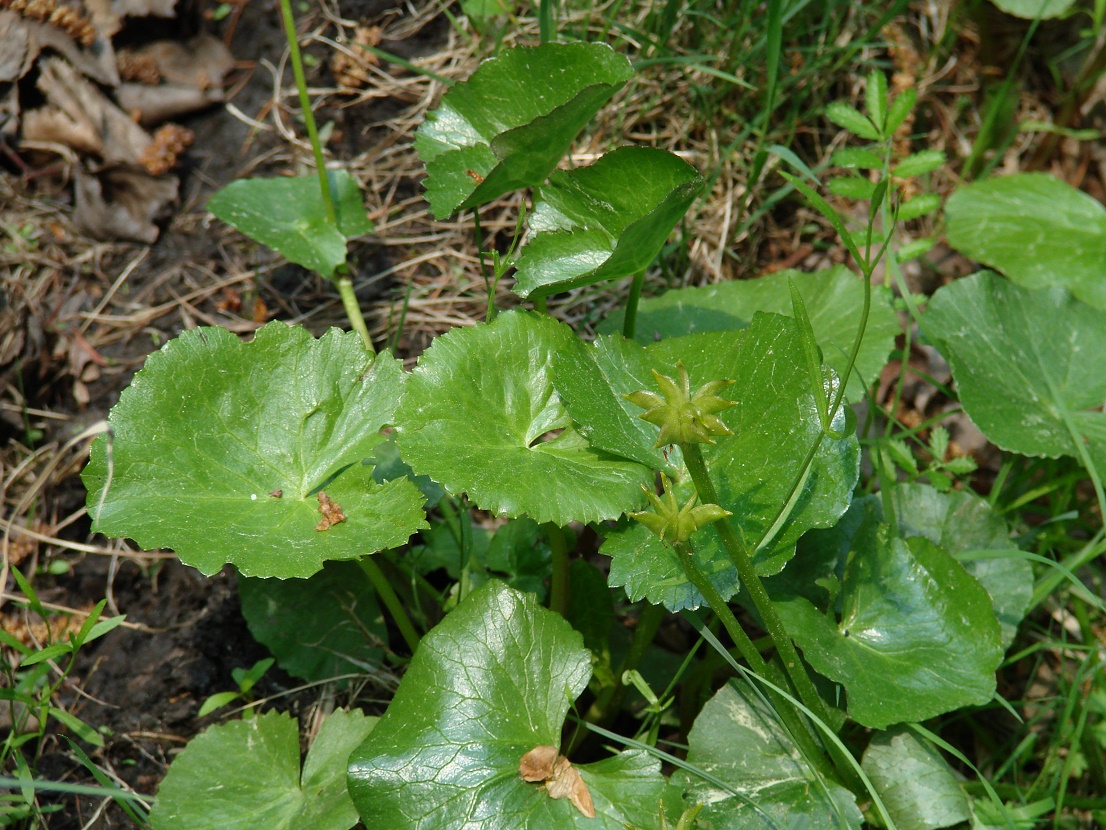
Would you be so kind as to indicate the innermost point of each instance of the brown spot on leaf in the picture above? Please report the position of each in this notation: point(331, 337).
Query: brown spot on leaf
point(276, 494)
point(562, 780)
point(331, 511)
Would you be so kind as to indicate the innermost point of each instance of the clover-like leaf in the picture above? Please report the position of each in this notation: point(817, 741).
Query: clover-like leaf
point(481, 416)
point(218, 449)
point(917, 635)
point(775, 422)
point(605, 221)
point(1038, 230)
point(289, 216)
point(320, 627)
point(1028, 364)
point(832, 297)
point(739, 741)
point(246, 774)
point(490, 683)
point(916, 785)
point(509, 125)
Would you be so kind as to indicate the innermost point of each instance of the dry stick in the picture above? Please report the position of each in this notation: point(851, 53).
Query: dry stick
point(794, 667)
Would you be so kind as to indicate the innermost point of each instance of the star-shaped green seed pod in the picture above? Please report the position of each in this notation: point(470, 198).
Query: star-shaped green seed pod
point(673, 523)
point(684, 418)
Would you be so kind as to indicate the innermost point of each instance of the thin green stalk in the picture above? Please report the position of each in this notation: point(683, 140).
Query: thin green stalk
point(790, 717)
point(558, 590)
point(402, 317)
point(353, 309)
point(794, 667)
point(546, 24)
point(629, 322)
point(345, 284)
point(388, 596)
point(308, 115)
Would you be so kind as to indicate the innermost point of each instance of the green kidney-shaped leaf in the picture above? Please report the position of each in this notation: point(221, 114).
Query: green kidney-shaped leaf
point(1028, 364)
point(491, 682)
point(775, 424)
point(914, 782)
point(289, 216)
point(833, 299)
point(320, 627)
point(246, 774)
point(605, 221)
point(738, 740)
point(917, 635)
point(1032, 9)
point(481, 416)
point(1039, 231)
point(218, 447)
point(509, 125)
point(965, 526)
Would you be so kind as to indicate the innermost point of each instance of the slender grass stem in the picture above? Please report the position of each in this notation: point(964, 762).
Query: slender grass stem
point(388, 596)
point(794, 667)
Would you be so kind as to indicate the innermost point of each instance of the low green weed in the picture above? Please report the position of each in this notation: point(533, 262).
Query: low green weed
point(880, 609)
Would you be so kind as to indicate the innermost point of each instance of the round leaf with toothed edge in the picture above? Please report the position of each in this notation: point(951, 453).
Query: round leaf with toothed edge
point(218, 448)
point(492, 682)
point(1027, 363)
point(480, 416)
point(246, 774)
point(605, 221)
point(508, 125)
point(739, 741)
point(917, 635)
point(1038, 230)
point(774, 425)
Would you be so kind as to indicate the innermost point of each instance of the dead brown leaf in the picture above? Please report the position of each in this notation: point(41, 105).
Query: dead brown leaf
point(120, 203)
point(331, 512)
point(562, 780)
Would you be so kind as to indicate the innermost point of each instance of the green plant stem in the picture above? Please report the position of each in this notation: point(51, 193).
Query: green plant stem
point(308, 116)
point(790, 717)
point(353, 309)
point(388, 596)
point(558, 589)
point(546, 25)
point(629, 322)
point(794, 667)
point(609, 701)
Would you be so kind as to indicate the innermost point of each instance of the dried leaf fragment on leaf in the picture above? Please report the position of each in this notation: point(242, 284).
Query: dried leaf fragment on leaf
point(562, 780)
point(331, 511)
